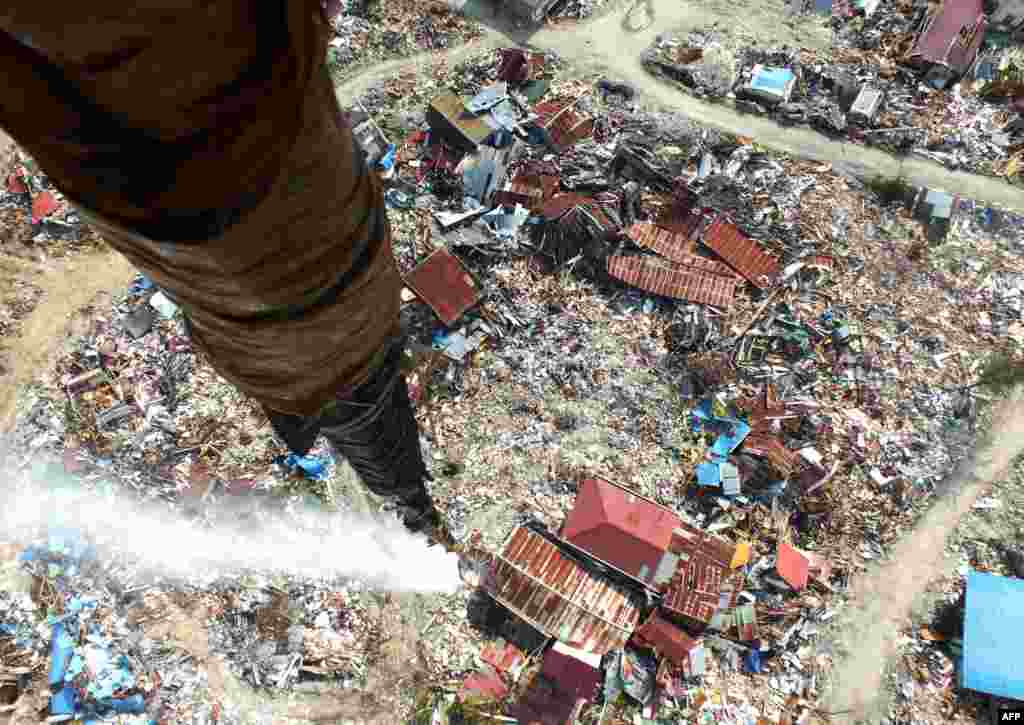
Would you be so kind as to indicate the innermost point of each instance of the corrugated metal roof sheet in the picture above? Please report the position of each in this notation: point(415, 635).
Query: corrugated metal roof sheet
point(568, 128)
point(554, 594)
point(666, 638)
point(673, 246)
point(695, 589)
point(741, 253)
point(687, 539)
point(681, 284)
point(444, 284)
point(941, 40)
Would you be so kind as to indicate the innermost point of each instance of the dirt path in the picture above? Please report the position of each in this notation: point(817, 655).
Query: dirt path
point(68, 286)
point(609, 45)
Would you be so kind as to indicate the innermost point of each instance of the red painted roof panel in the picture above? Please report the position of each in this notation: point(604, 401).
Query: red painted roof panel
point(740, 253)
point(953, 35)
point(620, 528)
point(793, 566)
point(683, 284)
point(444, 284)
point(666, 638)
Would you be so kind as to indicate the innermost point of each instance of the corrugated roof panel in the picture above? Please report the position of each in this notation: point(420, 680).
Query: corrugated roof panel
point(694, 286)
point(534, 579)
point(568, 128)
point(741, 253)
point(695, 589)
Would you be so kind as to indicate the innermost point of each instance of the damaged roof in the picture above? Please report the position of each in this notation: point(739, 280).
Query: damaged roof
point(679, 283)
point(620, 528)
point(666, 638)
point(563, 682)
point(694, 591)
point(535, 580)
point(565, 126)
point(740, 253)
point(953, 35)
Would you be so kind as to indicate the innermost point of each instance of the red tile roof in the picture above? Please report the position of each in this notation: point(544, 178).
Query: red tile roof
point(740, 253)
point(684, 283)
point(620, 528)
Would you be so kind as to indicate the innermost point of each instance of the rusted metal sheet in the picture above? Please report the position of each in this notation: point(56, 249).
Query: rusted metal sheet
point(554, 594)
point(695, 589)
point(666, 638)
point(768, 446)
point(699, 287)
point(740, 253)
point(674, 246)
point(559, 205)
point(565, 126)
point(444, 284)
point(680, 218)
point(689, 540)
point(563, 206)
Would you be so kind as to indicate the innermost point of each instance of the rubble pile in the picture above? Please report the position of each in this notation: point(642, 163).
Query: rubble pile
point(880, 84)
point(366, 31)
point(675, 392)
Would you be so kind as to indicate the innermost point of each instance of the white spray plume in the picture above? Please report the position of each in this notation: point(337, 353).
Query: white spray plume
point(312, 545)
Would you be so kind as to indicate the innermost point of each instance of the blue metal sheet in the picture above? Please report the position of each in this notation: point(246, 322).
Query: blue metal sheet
point(708, 474)
point(772, 80)
point(727, 443)
point(994, 635)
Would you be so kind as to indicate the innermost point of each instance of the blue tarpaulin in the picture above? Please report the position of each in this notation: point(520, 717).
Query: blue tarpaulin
point(708, 474)
point(772, 80)
point(994, 635)
point(728, 442)
point(311, 466)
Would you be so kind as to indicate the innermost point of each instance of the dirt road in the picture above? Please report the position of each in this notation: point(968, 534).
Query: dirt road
point(608, 45)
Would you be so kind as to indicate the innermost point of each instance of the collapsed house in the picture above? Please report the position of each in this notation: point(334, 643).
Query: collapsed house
point(949, 41)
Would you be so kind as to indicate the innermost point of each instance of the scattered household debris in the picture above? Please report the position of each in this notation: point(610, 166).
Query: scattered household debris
point(933, 79)
point(595, 291)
